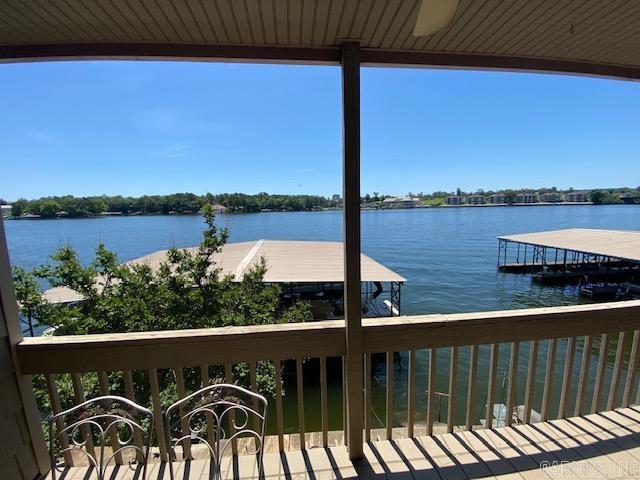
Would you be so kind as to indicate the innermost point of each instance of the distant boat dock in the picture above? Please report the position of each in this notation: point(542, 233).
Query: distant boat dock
point(605, 264)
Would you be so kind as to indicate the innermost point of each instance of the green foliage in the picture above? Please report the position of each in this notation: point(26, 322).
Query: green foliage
point(435, 202)
point(510, 195)
point(178, 203)
point(49, 209)
point(19, 207)
point(186, 291)
point(603, 197)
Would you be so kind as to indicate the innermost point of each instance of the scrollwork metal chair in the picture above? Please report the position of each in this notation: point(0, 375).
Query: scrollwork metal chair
point(215, 416)
point(102, 429)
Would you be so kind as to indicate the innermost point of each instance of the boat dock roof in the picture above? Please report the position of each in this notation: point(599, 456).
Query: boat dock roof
point(621, 244)
point(287, 262)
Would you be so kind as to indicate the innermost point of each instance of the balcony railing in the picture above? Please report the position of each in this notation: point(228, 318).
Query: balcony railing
point(555, 361)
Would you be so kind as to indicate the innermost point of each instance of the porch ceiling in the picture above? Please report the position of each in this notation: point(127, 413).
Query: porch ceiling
point(586, 36)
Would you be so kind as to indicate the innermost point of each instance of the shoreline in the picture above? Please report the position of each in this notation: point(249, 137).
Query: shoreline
point(536, 204)
point(422, 207)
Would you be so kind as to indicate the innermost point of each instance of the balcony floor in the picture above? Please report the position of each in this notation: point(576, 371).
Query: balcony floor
point(604, 445)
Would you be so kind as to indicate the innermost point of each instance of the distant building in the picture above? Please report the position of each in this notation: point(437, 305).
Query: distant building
point(577, 196)
point(550, 197)
point(475, 199)
point(5, 211)
point(526, 198)
point(453, 200)
point(498, 198)
point(401, 202)
point(217, 208)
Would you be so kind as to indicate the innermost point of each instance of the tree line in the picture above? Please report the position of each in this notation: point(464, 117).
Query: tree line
point(189, 203)
point(180, 203)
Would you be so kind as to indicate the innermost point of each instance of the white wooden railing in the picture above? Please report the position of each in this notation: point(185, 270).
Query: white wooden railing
point(481, 336)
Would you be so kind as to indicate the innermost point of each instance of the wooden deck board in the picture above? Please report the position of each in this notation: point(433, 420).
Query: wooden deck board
point(603, 445)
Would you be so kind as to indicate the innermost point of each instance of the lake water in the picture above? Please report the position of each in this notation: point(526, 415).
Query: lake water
point(447, 255)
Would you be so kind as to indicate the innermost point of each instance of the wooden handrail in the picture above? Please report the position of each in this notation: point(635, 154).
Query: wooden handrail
point(164, 349)
point(482, 328)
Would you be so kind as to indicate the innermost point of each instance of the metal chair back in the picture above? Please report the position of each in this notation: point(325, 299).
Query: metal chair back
point(215, 416)
point(101, 430)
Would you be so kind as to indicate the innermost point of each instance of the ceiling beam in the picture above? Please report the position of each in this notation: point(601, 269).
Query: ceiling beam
point(309, 55)
point(476, 61)
point(171, 51)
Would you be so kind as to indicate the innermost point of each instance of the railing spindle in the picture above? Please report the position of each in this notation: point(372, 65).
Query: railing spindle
point(113, 434)
point(344, 399)
point(228, 374)
point(617, 367)
point(56, 408)
point(323, 402)
point(204, 376)
point(566, 377)
point(513, 379)
point(279, 414)
point(253, 377)
point(411, 393)
point(471, 387)
point(184, 422)
point(367, 397)
point(300, 395)
point(389, 391)
point(491, 384)
point(78, 397)
point(631, 369)
point(584, 376)
point(204, 382)
point(603, 352)
point(548, 379)
point(431, 385)
point(453, 377)
point(637, 402)
point(531, 380)
point(157, 413)
point(129, 391)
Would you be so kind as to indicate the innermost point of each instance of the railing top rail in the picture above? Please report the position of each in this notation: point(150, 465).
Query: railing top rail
point(183, 336)
point(163, 349)
point(479, 328)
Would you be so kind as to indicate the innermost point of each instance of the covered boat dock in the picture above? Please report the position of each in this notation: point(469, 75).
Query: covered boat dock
point(307, 270)
point(600, 261)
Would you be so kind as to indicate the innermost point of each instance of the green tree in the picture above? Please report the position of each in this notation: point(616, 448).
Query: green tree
point(597, 197)
point(49, 209)
point(19, 207)
point(188, 290)
point(510, 195)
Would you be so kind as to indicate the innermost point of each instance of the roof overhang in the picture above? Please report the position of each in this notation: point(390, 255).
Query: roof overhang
point(587, 38)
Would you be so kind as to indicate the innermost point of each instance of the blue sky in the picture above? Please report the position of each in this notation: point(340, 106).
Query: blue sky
point(135, 128)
